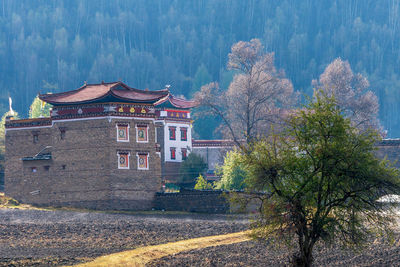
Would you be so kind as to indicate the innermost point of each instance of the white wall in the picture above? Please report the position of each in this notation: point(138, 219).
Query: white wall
point(178, 144)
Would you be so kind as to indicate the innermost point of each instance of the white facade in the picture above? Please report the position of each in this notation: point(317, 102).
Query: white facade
point(178, 144)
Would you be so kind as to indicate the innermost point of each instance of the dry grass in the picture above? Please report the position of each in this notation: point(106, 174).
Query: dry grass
point(143, 255)
point(10, 203)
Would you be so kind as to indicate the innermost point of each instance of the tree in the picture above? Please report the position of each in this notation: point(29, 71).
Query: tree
point(321, 182)
point(39, 109)
point(190, 169)
point(352, 94)
point(255, 96)
point(232, 172)
point(202, 184)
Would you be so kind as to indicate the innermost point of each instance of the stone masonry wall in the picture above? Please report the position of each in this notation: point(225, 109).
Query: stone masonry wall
point(192, 201)
point(133, 188)
point(83, 171)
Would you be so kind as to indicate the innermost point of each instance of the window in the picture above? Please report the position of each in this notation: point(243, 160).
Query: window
point(143, 161)
point(183, 134)
point(184, 153)
point(172, 135)
point(123, 132)
point(35, 138)
point(62, 133)
point(173, 153)
point(123, 160)
point(64, 167)
point(142, 133)
point(34, 169)
point(46, 168)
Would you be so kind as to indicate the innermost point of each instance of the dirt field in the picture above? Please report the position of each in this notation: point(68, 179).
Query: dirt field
point(51, 238)
point(254, 253)
point(45, 238)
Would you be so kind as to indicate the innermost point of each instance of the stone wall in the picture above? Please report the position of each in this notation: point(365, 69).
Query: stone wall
point(83, 169)
point(192, 201)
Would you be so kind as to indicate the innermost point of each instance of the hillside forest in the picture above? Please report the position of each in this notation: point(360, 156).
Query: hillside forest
point(54, 46)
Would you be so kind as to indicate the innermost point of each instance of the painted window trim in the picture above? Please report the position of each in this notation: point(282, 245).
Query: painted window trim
point(170, 155)
point(147, 157)
point(169, 133)
point(137, 133)
point(119, 156)
point(184, 129)
point(184, 152)
point(127, 132)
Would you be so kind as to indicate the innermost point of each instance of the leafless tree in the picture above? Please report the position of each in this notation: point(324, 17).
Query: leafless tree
point(256, 97)
point(351, 92)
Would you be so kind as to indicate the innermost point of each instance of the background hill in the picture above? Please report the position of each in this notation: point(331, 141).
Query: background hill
point(57, 45)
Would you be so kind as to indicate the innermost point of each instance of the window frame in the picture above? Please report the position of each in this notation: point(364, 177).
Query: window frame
point(138, 155)
point(172, 133)
point(127, 127)
point(125, 155)
point(172, 153)
point(184, 153)
point(137, 126)
point(184, 130)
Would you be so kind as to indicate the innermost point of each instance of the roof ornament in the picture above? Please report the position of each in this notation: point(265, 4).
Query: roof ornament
point(167, 86)
point(10, 103)
point(85, 83)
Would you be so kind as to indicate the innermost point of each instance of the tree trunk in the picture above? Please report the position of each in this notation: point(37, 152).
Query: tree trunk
point(303, 258)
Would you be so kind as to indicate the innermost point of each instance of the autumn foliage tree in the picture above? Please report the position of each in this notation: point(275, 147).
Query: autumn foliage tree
point(321, 181)
point(255, 97)
point(351, 92)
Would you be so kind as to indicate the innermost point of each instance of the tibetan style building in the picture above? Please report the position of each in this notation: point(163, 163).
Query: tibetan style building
point(104, 146)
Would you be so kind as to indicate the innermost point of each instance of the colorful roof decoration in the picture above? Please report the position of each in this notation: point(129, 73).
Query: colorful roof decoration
point(170, 101)
point(104, 92)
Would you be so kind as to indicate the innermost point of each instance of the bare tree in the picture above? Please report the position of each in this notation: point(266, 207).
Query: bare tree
point(351, 92)
point(255, 98)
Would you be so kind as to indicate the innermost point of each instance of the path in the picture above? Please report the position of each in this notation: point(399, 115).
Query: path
point(143, 255)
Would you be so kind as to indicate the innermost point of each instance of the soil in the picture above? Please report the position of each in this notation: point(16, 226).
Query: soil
point(52, 238)
point(254, 253)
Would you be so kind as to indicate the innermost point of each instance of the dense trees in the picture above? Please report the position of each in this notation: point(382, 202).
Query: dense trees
point(149, 43)
point(321, 181)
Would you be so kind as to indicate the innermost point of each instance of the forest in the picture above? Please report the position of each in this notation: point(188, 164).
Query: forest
point(53, 46)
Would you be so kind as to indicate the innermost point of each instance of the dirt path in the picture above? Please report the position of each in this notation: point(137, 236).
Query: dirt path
point(143, 255)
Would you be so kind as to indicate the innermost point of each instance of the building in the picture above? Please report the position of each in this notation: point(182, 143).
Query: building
point(102, 147)
point(109, 146)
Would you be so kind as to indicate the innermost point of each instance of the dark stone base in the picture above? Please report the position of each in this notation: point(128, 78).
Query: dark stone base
point(122, 205)
point(192, 201)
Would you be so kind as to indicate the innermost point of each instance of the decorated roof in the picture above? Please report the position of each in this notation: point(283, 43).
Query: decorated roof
point(104, 92)
point(213, 143)
point(170, 101)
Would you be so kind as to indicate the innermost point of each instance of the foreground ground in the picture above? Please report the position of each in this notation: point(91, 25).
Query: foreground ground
point(254, 253)
point(45, 238)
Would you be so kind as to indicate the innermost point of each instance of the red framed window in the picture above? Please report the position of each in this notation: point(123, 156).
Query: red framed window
point(122, 132)
point(172, 133)
point(143, 161)
point(123, 160)
point(183, 134)
point(142, 133)
point(173, 153)
point(184, 153)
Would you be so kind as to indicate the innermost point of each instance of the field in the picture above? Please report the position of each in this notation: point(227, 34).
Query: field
point(46, 238)
point(55, 238)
